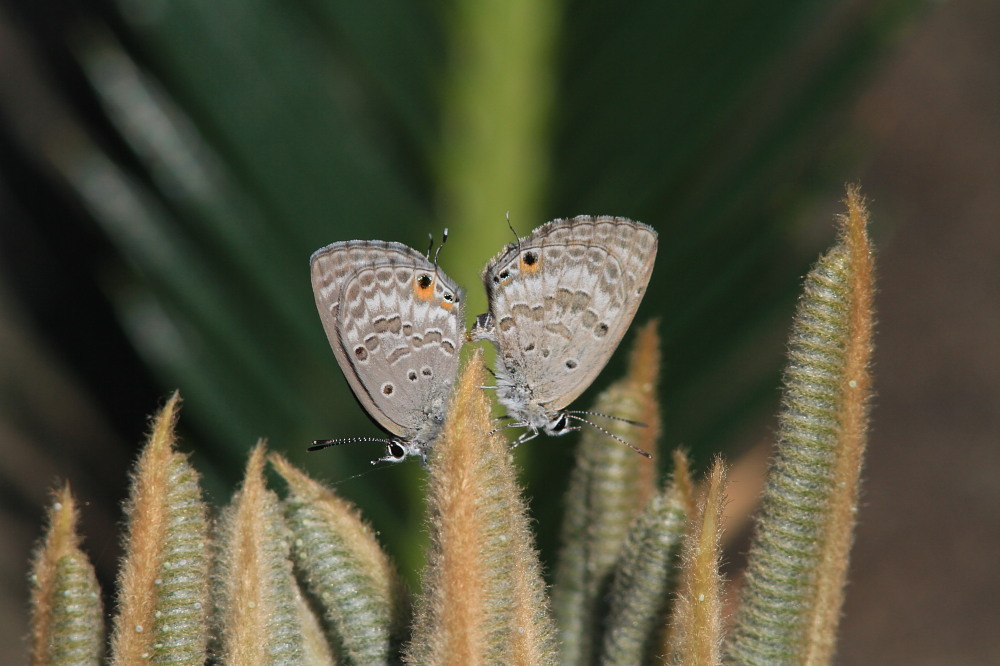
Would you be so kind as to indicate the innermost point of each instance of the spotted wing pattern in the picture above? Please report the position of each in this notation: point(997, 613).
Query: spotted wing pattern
point(395, 323)
point(561, 299)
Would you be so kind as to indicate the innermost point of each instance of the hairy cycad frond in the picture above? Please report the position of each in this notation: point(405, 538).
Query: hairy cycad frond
point(163, 600)
point(608, 488)
point(696, 631)
point(256, 597)
point(645, 575)
point(793, 592)
point(67, 622)
point(344, 568)
point(484, 598)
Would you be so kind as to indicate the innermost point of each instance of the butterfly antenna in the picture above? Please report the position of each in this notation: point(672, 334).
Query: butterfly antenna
point(611, 435)
point(517, 239)
point(444, 239)
point(320, 444)
point(430, 246)
point(609, 416)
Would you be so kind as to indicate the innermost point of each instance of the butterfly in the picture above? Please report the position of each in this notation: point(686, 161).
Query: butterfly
point(396, 324)
point(560, 301)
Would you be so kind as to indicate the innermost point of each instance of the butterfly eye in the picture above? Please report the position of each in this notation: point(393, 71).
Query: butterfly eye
point(559, 424)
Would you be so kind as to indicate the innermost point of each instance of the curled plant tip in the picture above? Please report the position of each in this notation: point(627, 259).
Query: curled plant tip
point(67, 625)
point(344, 569)
point(696, 632)
point(163, 581)
point(608, 487)
point(798, 559)
point(257, 601)
point(644, 580)
point(484, 598)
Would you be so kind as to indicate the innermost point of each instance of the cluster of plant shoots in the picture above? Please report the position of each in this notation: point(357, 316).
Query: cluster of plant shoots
point(300, 578)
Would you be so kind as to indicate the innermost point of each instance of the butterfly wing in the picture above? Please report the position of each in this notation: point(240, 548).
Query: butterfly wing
point(395, 324)
point(561, 299)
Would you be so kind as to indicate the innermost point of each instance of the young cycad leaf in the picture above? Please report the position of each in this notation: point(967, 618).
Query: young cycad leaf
point(794, 584)
point(696, 631)
point(484, 598)
point(644, 578)
point(163, 582)
point(344, 569)
point(608, 487)
point(67, 626)
point(256, 600)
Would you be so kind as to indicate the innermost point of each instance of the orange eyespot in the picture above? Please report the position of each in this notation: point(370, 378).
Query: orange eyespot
point(531, 262)
point(423, 287)
point(447, 301)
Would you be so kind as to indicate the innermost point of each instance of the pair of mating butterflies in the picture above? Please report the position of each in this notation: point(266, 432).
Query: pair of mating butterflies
point(560, 301)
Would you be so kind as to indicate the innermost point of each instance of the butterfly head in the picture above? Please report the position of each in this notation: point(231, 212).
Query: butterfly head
point(558, 424)
point(398, 450)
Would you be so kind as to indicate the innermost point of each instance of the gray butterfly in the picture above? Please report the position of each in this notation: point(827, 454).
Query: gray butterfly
point(396, 323)
point(560, 301)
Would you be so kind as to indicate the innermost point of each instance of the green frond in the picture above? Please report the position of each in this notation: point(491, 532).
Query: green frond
point(791, 599)
point(163, 601)
point(608, 487)
point(644, 580)
point(483, 597)
point(696, 626)
point(257, 604)
point(67, 619)
point(345, 570)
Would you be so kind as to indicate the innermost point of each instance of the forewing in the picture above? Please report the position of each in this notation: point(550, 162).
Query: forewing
point(562, 298)
point(394, 332)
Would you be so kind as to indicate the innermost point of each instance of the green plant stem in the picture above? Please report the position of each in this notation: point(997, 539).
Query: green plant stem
point(496, 115)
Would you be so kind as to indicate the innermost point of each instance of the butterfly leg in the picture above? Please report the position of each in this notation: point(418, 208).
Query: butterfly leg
point(526, 436)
